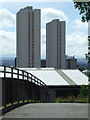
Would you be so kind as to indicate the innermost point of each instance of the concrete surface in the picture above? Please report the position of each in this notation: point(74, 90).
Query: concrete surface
point(50, 110)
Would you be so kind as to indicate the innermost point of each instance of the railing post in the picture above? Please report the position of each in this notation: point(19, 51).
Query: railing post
point(11, 72)
point(32, 90)
point(18, 101)
point(4, 106)
point(23, 74)
point(31, 78)
point(12, 103)
point(37, 81)
point(4, 71)
point(17, 74)
point(27, 76)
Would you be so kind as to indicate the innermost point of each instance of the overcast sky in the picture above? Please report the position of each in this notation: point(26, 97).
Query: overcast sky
point(76, 31)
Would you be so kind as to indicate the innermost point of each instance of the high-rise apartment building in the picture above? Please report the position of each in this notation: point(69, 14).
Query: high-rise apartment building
point(28, 37)
point(55, 44)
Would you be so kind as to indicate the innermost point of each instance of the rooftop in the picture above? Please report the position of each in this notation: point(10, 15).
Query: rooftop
point(58, 77)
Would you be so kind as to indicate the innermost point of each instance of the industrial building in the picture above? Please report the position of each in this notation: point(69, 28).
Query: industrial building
point(55, 44)
point(62, 83)
point(28, 27)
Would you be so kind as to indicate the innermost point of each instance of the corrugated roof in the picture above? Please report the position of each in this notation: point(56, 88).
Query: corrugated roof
point(59, 77)
point(77, 76)
point(49, 77)
point(53, 77)
point(65, 77)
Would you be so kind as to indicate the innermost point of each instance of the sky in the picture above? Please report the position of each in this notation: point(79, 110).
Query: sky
point(76, 31)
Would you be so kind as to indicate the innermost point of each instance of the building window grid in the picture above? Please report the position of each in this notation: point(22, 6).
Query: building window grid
point(57, 46)
point(60, 45)
point(29, 40)
point(32, 39)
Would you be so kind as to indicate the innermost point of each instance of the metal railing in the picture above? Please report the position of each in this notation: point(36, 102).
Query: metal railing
point(19, 85)
point(25, 75)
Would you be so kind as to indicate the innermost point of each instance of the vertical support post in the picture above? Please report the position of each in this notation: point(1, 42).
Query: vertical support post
point(37, 81)
point(11, 72)
point(12, 103)
point(27, 76)
point(23, 74)
point(4, 106)
point(4, 71)
point(17, 74)
point(31, 78)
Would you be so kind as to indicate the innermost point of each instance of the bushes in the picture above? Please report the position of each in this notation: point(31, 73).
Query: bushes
point(84, 91)
point(81, 98)
point(71, 99)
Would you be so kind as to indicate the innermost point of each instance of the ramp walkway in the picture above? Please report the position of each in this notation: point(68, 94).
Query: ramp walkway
point(50, 110)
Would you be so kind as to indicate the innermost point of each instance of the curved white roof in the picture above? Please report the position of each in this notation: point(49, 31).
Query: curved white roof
point(59, 77)
point(49, 77)
point(53, 77)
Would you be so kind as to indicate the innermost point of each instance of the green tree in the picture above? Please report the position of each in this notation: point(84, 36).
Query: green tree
point(84, 10)
point(81, 68)
point(84, 91)
point(88, 55)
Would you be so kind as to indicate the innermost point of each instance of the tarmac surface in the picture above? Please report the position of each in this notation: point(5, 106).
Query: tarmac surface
point(49, 110)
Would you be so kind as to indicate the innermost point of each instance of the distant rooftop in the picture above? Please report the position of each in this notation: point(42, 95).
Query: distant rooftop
point(70, 57)
point(29, 7)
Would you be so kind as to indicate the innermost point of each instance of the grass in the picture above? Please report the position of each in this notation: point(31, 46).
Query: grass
point(71, 99)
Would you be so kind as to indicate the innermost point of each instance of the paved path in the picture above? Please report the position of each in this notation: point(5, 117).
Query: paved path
point(50, 110)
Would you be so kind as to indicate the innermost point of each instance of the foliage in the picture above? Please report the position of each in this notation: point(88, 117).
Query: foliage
point(84, 91)
point(84, 9)
point(81, 98)
point(71, 99)
point(89, 76)
point(88, 55)
point(81, 68)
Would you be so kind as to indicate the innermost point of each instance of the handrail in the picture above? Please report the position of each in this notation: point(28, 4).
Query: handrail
point(24, 74)
point(29, 87)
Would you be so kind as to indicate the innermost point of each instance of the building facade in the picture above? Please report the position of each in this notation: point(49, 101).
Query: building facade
point(71, 62)
point(28, 37)
point(55, 44)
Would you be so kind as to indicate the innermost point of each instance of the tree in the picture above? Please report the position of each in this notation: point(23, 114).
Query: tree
point(84, 8)
point(88, 55)
point(84, 91)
